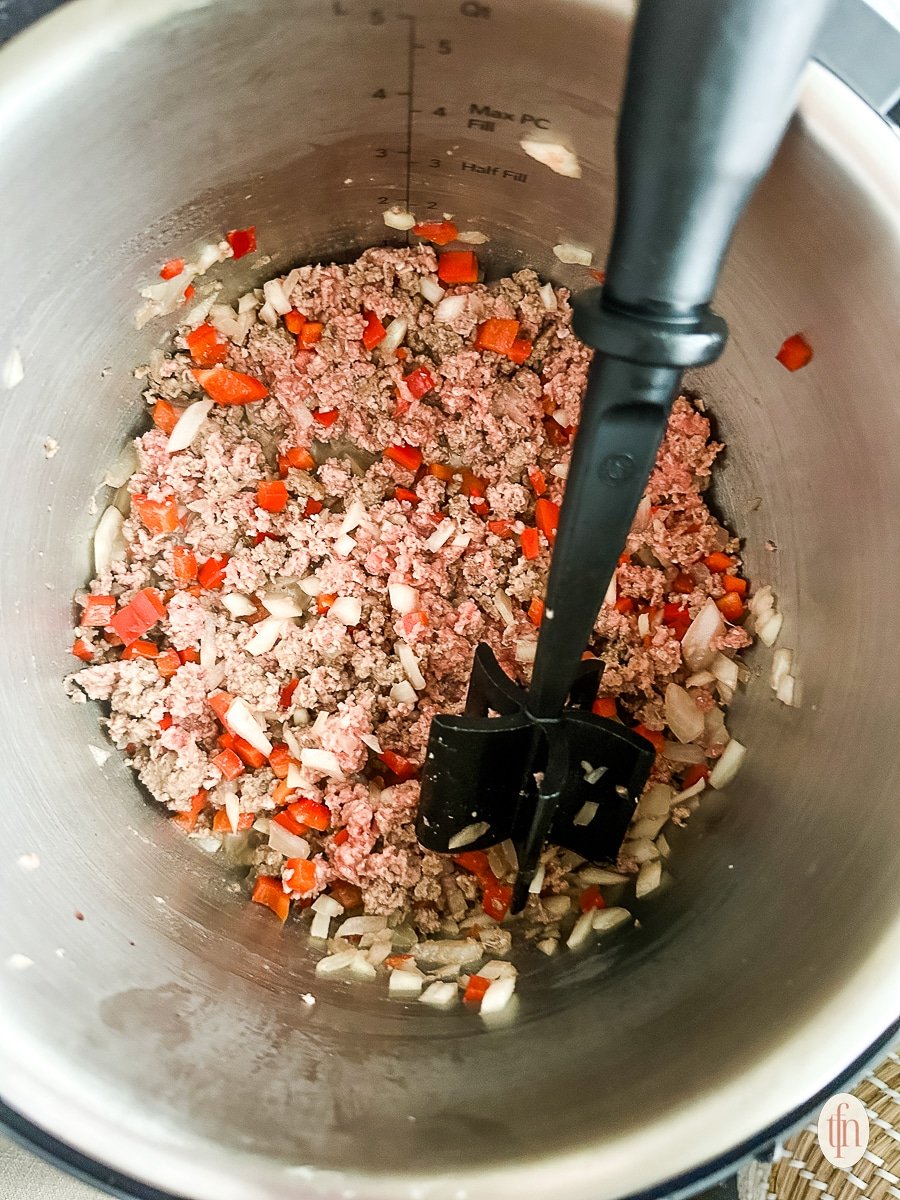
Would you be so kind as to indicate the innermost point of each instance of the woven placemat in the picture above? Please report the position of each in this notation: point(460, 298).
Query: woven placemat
point(801, 1172)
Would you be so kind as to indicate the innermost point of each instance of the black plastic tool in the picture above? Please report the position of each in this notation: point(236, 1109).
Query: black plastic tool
point(710, 88)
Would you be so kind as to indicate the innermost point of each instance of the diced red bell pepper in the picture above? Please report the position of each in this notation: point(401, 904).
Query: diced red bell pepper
point(605, 706)
point(287, 693)
point(189, 293)
point(138, 615)
point(220, 702)
point(394, 962)
point(734, 583)
point(310, 334)
point(98, 611)
point(441, 471)
point(206, 345)
point(284, 819)
point(496, 334)
point(399, 766)
point(242, 241)
point(719, 562)
point(229, 764)
point(475, 989)
point(312, 507)
point(520, 350)
point(590, 898)
point(496, 899)
point(299, 874)
point(325, 416)
point(600, 276)
point(229, 387)
point(406, 494)
point(158, 516)
point(272, 495)
point(557, 435)
point(624, 605)
point(405, 456)
point(472, 484)
point(342, 835)
point(249, 755)
point(530, 542)
point(222, 823)
point(167, 663)
point(678, 618)
point(458, 266)
point(310, 812)
point(165, 721)
point(537, 480)
point(171, 268)
point(82, 650)
point(374, 331)
point(546, 517)
point(500, 528)
point(439, 232)
point(795, 352)
point(683, 583)
point(188, 820)
point(269, 892)
point(420, 382)
point(184, 564)
point(280, 760)
point(164, 416)
point(211, 574)
point(731, 606)
point(476, 862)
point(536, 610)
point(324, 601)
point(189, 655)
point(694, 774)
point(348, 895)
point(296, 457)
point(140, 649)
point(294, 321)
point(653, 736)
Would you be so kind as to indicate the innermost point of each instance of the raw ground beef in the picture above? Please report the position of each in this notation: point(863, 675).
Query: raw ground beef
point(477, 436)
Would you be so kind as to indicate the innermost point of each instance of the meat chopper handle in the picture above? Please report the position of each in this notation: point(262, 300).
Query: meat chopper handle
point(711, 85)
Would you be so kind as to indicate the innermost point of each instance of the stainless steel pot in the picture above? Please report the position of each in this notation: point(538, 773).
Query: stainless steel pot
point(159, 1028)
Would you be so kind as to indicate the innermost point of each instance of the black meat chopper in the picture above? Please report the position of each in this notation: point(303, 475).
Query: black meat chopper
point(709, 90)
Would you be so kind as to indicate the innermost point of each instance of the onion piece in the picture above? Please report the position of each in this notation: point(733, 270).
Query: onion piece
point(291, 845)
point(109, 541)
point(347, 610)
point(442, 534)
point(655, 802)
point(280, 605)
point(404, 599)
point(575, 255)
point(526, 650)
point(123, 468)
point(188, 425)
point(504, 607)
point(786, 690)
point(498, 995)
point(537, 881)
point(354, 516)
point(13, 371)
point(265, 634)
point(467, 836)
point(405, 982)
point(581, 930)
point(268, 314)
point(700, 679)
point(728, 765)
point(548, 297)
point(696, 650)
point(768, 630)
point(355, 926)
point(605, 919)
point(320, 926)
point(275, 296)
point(689, 793)
point(311, 585)
point(247, 303)
point(431, 290)
point(344, 545)
point(649, 878)
point(232, 810)
point(403, 693)
point(450, 308)
point(335, 962)
point(327, 905)
point(410, 665)
point(472, 237)
point(554, 155)
point(586, 813)
point(643, 625)
point(683, 715)
point(725, 670)
point(601, 875)
point(398, 218)
point(440, 995)
point(447, 951)
point(782, 662)
point(393, 335)
point(208, 648)
point(498, 968)
point(762, 600)
point(242, 723)
point(675, 752)
point(238, 604)
point(321, 762)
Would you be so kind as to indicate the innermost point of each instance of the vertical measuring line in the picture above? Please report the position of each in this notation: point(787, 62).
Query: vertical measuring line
point(410, 89)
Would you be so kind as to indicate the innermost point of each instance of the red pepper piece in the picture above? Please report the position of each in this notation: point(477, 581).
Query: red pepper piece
point(496, 900)
point(229, 764)
point(230, 387)
point(374, 331)
point(439, 232)
point(605, 706)
point(242, 241)
point(399, 766)
point(184, 564)
point(624, 605)
point(537, 480)
point(220, 702)
point(189, 655)
point(188, 820)
point(520, 350)
point(475, 989)
point(296, 457)
point(342, 835)
point(269, 892)
point(310, 334)
point(98, 610)
point(420, 382)
point(458, 266)
point(694, 774)
point(310, 812)
point(678, 618)
point(557, 435)
point(299, 874)
point(138, 615)
point(653, 736)
point(164, 416)
point(141, 649)
point(496, 334)
point(719, 562)
point(406, 494)
point(531, 542)
point(206, 345)
point(683, 583)
point(312, 507)
point(404, 455)
point(280, 760)
point(211, 574)
point(536, 610)
point(272, 495)
point(158, 516)
point(476, 863)
point(82, 650)
point(325, 416)
point(731, 606)
point(324, 601)
point(734, 583)
point(546, 517)
point(171, 268)
point(294, 321)
point(500, 528)
point(441, 471)
point(591, 898)
point(795, 352)
point(167, 663)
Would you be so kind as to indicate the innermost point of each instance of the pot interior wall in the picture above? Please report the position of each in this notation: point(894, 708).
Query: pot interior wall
point(160, 1026)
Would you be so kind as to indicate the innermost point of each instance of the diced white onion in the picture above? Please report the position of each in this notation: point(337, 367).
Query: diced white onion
point(232, 810)
point(207, 256)
point(605, 919)
point(439, 995)
point(410, 665)
point(683, 715)
point(586, 813)
point(557, 157)
point(526, 650)
point(321, 924)
point(498, 995)
point(762, 600)
point(537, 881)
point(398, 218)
point(265, 634)
point(601, 875)
point(347, 610)
point(362, 967)
point(355, 926)
point(700, 679)
point(611, 593)
point(268, 314)
point(641, 850)
point(663, 846)
point(431, 290)
point(557, 907)
point(581, 930)
point(649, 879)
point(405, 982)
point(675, 752)
point(109, 542)
point(768, 630)
point(472, 237)
point(311, 585)
point(238, 604)
point(403, 693)
point(442, 534)
point(786, 690)
point(696, 650)
point(462, 540)
point(655, 802)
point(209, 649)
point(725, 670)
point(647, 827)
point(393, 335)
point(291, 845)
point(643, 625)
point(280, 605)
point(467, 836)
point(728, 765)
point(576, 255)
point(327, 905)
point(198, 312)
point(321, 762)
point(371, 741)
point(782, 662)
point(450, 308)
point(248, 303)
point(548, 297)
point(504, 608)
point(354, 516)
point(344, 545)
point(188, 425)
point(123, 468)
point(335, 962)
point(275, 296)
point(689, 793)
point(404, 599)
point(242, 723)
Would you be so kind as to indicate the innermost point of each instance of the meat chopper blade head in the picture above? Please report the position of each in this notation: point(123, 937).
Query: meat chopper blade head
point(709, 90)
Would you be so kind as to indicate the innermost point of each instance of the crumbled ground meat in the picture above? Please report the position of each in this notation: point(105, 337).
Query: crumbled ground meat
point(481, 428)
